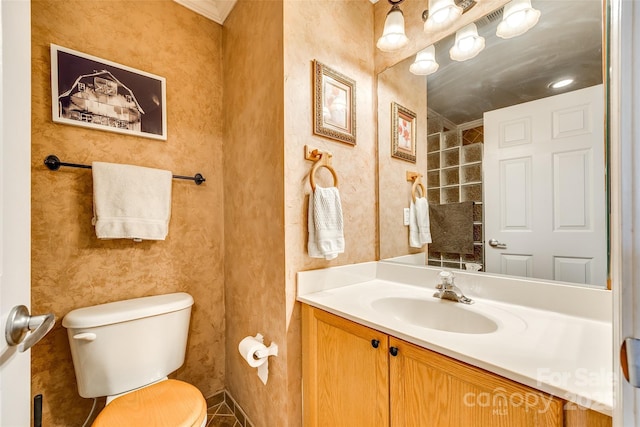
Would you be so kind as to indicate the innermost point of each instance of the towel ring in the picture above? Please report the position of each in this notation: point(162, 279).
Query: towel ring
point(416, 183)
point(322, 162)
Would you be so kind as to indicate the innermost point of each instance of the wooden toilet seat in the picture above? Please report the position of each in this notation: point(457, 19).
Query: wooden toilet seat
point(169, 403)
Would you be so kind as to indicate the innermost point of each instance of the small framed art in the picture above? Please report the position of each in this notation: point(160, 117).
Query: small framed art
point(334, 105)
point(403, 133)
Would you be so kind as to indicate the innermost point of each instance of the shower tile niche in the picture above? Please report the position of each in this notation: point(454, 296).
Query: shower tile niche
point(454, 163)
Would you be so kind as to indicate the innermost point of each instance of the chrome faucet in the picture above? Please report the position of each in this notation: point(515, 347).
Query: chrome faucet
point(446, 289)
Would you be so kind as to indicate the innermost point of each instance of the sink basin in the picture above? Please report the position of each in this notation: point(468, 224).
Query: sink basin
point(437, 314)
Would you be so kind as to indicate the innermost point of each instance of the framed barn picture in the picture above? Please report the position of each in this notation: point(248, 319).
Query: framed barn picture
point(99, 94)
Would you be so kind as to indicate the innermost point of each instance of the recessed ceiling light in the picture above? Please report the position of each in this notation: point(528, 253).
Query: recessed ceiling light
point(561, 83)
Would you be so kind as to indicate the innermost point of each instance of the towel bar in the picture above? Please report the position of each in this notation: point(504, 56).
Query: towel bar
point(54, 163)
point(417, 181)
point(323, 160)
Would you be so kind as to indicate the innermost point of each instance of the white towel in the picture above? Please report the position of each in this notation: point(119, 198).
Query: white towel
point(312, 245)
point(326, 238)
point(419, 227)
point(131, 202)
point(414, 232)
point(422, 218)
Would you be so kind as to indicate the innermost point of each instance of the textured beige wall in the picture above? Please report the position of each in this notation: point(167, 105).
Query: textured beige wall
point(70, 267)
point(397, 84)
point(267, 120)
point(254, 203)
point(345, 46)
point(339, 34)
point(268, 77)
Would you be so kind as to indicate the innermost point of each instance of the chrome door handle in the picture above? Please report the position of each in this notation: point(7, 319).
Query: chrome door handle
point(495, 244)
point(630, 361)
point(26, 330)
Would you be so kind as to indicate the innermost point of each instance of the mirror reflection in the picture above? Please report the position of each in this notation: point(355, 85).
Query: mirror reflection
point(526, 157)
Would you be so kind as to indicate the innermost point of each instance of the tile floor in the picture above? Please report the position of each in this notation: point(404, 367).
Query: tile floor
point(224, 412)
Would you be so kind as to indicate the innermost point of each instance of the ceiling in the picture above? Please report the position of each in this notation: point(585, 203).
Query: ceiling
point(566, 42)
point(216, 10)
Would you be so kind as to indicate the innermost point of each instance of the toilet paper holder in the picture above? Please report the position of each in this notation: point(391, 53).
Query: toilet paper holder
point(272, 350)
point(256, 354)
point(255, 351)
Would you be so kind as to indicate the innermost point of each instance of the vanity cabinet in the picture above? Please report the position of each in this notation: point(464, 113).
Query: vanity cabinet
point(356, 376)
point(345, 372)
point(427, 388)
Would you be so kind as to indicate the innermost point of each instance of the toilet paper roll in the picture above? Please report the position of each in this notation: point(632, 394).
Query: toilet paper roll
point(249, 346)
point(263, 372)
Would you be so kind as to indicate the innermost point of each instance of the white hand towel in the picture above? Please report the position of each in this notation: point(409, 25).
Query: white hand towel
point(419, 227)
point(326, 238)
point(312, 245)
point(131, 202)
point(414, 231)
point(422, 218)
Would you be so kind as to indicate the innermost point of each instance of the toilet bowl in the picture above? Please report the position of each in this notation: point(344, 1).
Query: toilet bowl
point(124, 350)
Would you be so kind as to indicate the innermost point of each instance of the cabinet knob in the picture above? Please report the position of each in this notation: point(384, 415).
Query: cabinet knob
point(375, 343)
point(393, 351)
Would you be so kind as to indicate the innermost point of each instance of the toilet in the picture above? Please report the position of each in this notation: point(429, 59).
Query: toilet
point(124, 350)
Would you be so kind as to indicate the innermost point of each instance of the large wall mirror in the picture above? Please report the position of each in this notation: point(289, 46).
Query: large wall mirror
point(526, 160)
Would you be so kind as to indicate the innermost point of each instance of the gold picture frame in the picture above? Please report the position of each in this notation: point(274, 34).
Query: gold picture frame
point(403, 133)
point(334, 106)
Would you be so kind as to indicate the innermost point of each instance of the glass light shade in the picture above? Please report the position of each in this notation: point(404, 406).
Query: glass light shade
point(425, 62)
point(518, 18)
point(442, 13)
point(468, 43)
point(393, 36)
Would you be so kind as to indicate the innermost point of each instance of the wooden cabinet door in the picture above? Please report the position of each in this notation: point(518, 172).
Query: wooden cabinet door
point(345, 376)
point(578, 416)
point(429, 389)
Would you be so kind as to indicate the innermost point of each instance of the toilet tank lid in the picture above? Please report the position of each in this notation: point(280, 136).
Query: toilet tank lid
point(123, 311)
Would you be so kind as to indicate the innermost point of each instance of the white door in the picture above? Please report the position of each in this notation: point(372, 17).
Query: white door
point(625, 132)
point(15, 190)
point(546, 160)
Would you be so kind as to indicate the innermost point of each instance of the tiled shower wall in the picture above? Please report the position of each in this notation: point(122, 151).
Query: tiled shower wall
point(454, 174)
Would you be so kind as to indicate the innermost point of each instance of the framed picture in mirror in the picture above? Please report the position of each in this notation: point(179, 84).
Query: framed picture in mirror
point(403, 133)
point(334, 106)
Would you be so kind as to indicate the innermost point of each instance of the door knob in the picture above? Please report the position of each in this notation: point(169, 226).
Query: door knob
point(26, 330)
point(630, 361)
point(495, 244)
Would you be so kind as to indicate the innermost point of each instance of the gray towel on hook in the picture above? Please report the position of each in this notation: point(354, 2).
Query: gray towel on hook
point(452, 228)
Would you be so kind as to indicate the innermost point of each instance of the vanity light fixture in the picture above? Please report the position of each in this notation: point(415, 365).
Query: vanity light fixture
point(425, 62)
point(393, 36)
point(561, 83)
point(518, 18)
point(468, 43)
point(442, 13)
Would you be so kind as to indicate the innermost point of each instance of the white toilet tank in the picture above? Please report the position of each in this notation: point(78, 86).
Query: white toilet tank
point(124, 345)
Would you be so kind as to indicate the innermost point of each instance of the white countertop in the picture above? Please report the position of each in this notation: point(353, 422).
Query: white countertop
point(561, 347)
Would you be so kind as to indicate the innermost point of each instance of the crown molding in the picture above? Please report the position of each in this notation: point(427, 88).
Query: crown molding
point(216, 10)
